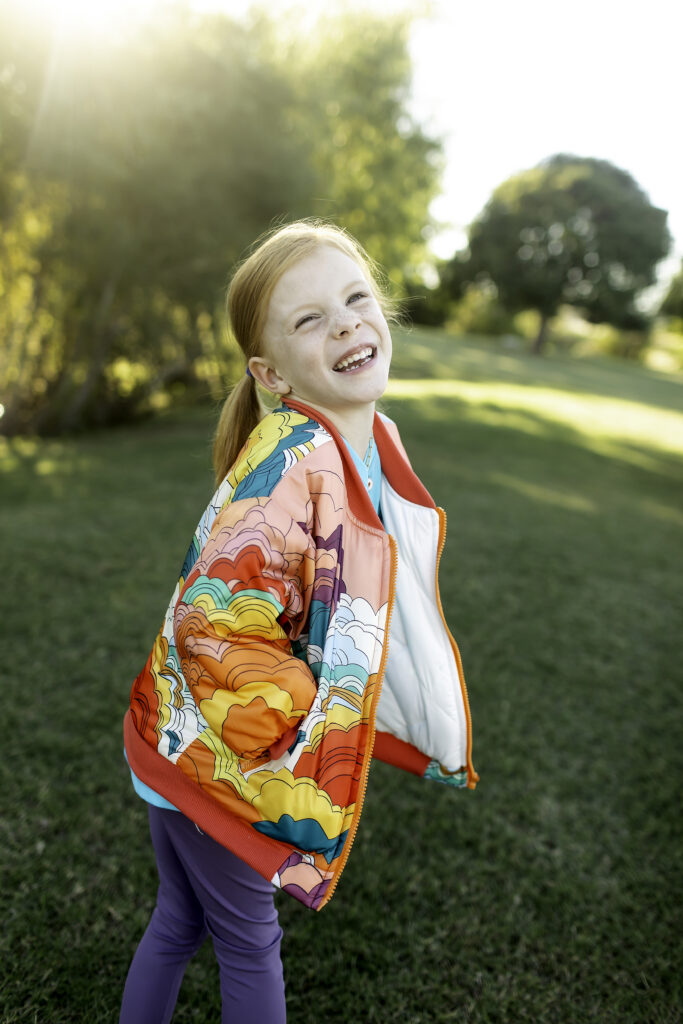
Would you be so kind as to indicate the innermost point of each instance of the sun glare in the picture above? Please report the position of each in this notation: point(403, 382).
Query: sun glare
point(83, 23)
point(92, 18)
point(88, 20)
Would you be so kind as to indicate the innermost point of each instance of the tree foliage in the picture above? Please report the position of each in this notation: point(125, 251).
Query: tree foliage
point(572, 230)
point(130, 184)
point(672, 304)
point(377, 170)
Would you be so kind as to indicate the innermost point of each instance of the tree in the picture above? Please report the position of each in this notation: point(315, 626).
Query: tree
point(377, 171)
point(572, 230)
point(672, 304)
point(130, 184)
point(169, 156)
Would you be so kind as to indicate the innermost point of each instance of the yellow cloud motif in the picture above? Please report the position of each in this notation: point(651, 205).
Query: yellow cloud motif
point(167, 684)
point(248, 612)
point(301, 799)
point(248, 616)
point(341, 717)
point(336, 717)
point(263, 441)
point(226, 765)
point(216, 708)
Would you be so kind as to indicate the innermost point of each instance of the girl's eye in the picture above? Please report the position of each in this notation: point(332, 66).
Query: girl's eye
point(304, 320)
point(356, 296)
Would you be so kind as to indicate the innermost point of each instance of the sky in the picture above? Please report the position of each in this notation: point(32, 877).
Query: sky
point(506, 84)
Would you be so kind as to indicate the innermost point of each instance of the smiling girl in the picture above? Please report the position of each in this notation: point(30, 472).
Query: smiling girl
point(305, 635)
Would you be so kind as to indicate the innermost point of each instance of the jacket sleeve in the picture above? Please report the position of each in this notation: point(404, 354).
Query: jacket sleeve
point(248, 592)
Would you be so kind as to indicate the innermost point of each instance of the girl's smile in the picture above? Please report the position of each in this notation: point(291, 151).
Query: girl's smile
point(356, 359)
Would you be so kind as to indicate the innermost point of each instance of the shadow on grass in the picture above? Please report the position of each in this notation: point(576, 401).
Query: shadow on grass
point(530, 442)
point(435, 354)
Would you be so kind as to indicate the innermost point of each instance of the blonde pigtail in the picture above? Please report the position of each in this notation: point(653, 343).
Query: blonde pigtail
point(241, 412)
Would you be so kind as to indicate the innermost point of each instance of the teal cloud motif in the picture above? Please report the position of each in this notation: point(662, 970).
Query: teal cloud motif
point(306, 834)
point(262, 478)
point(435, 772)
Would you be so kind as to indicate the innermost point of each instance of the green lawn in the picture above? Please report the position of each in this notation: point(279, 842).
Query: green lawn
point(552, 893)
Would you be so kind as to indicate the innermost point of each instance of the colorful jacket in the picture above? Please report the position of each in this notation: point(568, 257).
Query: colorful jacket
point(272, 682)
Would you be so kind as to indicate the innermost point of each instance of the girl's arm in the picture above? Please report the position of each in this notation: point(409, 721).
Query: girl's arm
point(247, 594)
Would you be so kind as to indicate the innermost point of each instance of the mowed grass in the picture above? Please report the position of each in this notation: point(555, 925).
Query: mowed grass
point(553, 892)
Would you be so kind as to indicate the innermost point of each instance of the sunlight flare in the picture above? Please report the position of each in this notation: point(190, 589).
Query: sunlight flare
point(85, 20)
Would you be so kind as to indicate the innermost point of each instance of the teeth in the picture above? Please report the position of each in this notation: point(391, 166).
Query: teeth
point(359, 357)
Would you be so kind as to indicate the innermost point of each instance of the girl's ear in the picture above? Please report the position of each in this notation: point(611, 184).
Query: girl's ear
point(267, 376)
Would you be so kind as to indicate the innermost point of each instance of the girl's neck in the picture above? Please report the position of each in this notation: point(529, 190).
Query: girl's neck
point(354, 424)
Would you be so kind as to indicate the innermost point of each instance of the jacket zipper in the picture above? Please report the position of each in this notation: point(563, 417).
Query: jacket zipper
point(365, 770)
point(472, 777)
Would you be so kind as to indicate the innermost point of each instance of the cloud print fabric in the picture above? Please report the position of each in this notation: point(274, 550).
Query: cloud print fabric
point(255, 712)
point(262, 641)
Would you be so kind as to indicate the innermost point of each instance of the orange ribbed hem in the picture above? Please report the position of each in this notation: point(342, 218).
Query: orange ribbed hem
point(263, 854)
point(399, 753)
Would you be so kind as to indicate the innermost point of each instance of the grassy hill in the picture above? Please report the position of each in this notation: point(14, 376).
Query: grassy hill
point(552, 893)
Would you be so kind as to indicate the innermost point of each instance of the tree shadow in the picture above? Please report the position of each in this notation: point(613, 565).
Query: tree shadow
point(434, 354)
point(455, 444)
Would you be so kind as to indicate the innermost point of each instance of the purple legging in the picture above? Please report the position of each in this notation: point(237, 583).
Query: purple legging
point(204, 888)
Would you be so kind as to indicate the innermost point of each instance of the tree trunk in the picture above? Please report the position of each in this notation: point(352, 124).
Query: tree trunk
point(74, 328)
point(48, 415)
point(104, 336)
point(542, 336)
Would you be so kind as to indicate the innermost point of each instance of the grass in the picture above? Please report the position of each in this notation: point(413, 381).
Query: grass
point(552, 893)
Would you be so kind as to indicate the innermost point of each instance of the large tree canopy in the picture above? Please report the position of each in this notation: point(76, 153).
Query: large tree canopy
point(130, 183)
point(572, 230)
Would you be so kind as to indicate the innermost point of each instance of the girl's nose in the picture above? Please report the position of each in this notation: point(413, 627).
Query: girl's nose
point(345, 322)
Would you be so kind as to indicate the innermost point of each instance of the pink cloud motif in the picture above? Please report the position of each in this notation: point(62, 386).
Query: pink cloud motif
point(299, 877)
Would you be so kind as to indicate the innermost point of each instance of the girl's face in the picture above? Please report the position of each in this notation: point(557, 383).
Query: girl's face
point(326, 341)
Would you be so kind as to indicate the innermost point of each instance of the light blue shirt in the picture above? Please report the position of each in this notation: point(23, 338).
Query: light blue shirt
point(371, 475)
point(150, 795)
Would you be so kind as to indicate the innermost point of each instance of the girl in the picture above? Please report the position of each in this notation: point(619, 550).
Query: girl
point(272, 683)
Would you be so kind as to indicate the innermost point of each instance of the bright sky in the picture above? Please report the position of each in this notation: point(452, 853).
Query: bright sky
point(512, 83)
point(507, 84)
